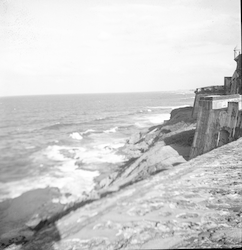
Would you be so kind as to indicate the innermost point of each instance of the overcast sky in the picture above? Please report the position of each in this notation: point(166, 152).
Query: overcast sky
point(94, 46)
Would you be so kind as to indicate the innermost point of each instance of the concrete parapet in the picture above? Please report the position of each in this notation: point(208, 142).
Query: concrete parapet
point(221, 101)
point(203, 92)
point(218, 89)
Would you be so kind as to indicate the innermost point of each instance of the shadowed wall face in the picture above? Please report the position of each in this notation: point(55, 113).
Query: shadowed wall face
point(216, 127)
point(235, 85)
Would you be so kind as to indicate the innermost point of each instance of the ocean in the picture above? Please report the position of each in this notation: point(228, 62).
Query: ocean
point(65, 141)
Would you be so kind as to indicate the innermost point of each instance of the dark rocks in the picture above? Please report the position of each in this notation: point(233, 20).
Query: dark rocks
point(181, 114)
point(34, 222)
point(21, 215)
point(16, 236)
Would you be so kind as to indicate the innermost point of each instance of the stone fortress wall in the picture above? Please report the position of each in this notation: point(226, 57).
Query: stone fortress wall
point(219, 113)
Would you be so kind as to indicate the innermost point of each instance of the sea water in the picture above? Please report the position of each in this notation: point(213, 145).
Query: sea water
point(65, 141)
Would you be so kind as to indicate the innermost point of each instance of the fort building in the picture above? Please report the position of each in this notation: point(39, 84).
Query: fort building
point(218, 110)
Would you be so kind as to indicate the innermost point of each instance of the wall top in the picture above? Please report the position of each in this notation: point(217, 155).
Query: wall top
point(222, 97)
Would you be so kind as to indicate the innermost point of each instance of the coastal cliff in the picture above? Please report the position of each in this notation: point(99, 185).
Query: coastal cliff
point(156, 149)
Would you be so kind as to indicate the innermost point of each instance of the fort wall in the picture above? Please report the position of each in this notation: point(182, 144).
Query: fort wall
point(219, 114)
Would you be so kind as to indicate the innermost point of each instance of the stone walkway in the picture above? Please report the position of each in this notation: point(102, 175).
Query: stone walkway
point(194, 205)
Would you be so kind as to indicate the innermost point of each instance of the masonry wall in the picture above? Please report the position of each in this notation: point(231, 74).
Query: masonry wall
point(196, 105)
point(203, 115)
point(206, 91)
point(227, 84)
point(235, 84)
point(219, 115)
point(216, 127)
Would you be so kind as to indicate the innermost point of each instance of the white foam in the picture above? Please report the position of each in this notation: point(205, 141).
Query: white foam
point(95, 154)
point(112, 130)
point(30, 147)
point(158, 119)
point(74, 182)
point(64, 174)
point(105, 153)
point(140, 125)
point(118, 145)
point(76, 136)
point(53, 153)
point(88, 131)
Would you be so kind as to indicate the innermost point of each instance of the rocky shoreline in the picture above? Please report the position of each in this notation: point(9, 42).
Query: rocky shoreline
point(153, 150)
point(153, 167)
point(25, 215)
point(194, 205)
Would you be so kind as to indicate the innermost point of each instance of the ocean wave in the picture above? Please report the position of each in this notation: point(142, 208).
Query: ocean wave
point(152, 119)
point(58, 126)
point(103, 153)
point(141, 111)
point(81, 135)
point(54, 153)
point(112, 130)
point(88, 131)
point(140, 125)
point(64, 174)
point(76, 136)
point(159, 119)
point(104, 118)
point(168, 107)
point(73, 182)
point(100, 153)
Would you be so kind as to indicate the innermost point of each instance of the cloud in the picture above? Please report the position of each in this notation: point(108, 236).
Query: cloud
point(133, 44)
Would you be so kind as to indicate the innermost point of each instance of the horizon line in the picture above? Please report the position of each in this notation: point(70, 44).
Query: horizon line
point(100, 93)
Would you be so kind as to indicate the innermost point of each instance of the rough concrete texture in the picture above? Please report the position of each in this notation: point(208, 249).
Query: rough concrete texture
point(216, 127)
point(206, 91)
point(220, 102)
point(197, 204)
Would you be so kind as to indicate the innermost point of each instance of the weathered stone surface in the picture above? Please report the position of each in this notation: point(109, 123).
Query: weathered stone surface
point(108, 180)
point(135, 138)
point(158, 158)
point(194, 205)
point(142, 141)
point(34, 222)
